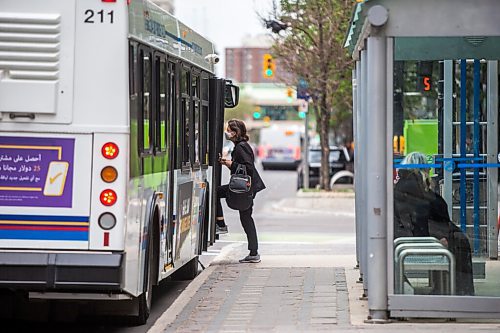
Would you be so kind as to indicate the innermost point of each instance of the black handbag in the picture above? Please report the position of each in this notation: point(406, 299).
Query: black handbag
point(239, 195)
point(240, 181)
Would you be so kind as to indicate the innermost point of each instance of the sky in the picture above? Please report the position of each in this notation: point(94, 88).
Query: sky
point(224, 22)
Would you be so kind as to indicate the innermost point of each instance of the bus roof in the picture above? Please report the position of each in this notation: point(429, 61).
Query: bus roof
point(153, 25)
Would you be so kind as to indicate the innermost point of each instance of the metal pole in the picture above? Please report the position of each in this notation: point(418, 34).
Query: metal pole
point(448, 135)
point(361, 186)
point(492, 151)
point(463, 138)
point(376, 179)
point(306, 148)
point(355, 106)
point(475, 145)
point(389, 158)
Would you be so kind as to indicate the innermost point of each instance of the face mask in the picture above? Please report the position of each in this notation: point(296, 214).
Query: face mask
point(228, 135)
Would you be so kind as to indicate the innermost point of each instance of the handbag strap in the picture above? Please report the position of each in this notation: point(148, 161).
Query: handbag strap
point(241, 170)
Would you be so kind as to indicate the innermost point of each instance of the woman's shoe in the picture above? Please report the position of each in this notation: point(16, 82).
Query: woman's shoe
point(251, 259)
point(220, 230)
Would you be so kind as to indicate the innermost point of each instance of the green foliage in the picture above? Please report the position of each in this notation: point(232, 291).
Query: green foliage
point(312, 49)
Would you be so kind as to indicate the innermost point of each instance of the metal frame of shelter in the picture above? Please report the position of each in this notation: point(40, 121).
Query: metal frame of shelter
point(382, 31)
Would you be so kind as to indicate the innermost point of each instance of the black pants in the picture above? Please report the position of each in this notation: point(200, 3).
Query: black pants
point(245, 217)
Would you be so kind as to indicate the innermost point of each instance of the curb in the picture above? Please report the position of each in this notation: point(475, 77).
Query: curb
point(331, 194)
point(169, 316)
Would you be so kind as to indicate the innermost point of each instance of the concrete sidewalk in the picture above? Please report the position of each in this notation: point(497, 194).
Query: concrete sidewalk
point(285, 294)
point(288, 293)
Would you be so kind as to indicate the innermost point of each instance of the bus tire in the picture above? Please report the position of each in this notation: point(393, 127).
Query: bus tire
point(145, 300)
point(187, 272)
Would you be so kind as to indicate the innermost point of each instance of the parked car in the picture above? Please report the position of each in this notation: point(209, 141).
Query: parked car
point(339, 161)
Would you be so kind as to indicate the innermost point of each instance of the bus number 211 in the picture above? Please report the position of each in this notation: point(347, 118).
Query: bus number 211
point(100, 16)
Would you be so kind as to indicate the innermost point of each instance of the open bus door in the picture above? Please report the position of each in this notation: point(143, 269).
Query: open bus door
point(223, 94)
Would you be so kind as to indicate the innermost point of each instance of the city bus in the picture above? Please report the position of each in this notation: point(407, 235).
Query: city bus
point(110, 120)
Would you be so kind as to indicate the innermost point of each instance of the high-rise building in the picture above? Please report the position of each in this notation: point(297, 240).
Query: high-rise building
point(168, 5)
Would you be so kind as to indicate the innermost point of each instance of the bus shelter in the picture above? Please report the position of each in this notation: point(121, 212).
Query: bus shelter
point(425, 90)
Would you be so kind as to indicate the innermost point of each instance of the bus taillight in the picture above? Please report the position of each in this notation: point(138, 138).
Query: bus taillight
point(110, 150)
point(109, 174)
point(108, 197)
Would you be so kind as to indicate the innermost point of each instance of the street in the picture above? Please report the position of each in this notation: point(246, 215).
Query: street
point(283, 231)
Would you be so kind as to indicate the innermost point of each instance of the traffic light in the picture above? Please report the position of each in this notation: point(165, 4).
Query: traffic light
point(268, 66)
point(289, 94)
point(257, 113)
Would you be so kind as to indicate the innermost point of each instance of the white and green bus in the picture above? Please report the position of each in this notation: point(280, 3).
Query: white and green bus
point(111, 118)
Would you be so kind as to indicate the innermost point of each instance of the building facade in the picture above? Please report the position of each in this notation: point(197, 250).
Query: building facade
point(248, 64)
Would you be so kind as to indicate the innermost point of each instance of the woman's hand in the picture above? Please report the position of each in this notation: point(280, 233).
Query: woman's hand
point(227, 163)
point(444, 241)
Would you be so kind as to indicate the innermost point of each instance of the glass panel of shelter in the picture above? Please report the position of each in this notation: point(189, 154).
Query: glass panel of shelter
point(442, 239)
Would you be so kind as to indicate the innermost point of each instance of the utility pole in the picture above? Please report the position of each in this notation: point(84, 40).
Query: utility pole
point(304, 108)
point(306, 147)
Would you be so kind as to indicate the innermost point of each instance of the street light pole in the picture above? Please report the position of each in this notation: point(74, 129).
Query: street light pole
point(306, 146)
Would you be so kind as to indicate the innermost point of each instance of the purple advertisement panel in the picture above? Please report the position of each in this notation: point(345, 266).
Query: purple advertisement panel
point(36, 172)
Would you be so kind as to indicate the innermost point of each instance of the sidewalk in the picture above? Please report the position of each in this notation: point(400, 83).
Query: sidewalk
point(283, 293)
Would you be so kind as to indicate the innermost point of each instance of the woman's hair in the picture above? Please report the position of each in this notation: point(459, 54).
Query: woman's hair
point(238, 127)
point(415, 158)
point(418, 158)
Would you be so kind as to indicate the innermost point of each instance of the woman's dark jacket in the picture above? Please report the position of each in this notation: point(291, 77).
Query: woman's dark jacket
point(242, 154)
point(419, 212)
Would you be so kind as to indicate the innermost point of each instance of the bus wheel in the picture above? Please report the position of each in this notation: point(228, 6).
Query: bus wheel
point(144, 300)
point(187, 272)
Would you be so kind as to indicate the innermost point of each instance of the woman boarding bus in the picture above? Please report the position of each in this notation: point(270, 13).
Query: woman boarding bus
point(111, 117)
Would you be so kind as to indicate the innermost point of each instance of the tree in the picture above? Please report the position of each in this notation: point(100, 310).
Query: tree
point(312, 49)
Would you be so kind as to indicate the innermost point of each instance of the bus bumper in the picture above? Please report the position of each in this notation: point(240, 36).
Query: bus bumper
point(61, 271)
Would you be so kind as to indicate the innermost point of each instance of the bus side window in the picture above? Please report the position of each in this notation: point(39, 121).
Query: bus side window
point(186, 119)
point(204, 120)
point(172, 114)
point(160, 105)
point(134, 87)
point(145, 128)
point(195, 93)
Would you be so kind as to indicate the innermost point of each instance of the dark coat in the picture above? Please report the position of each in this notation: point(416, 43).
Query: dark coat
point(419, 212)
point(242, 154)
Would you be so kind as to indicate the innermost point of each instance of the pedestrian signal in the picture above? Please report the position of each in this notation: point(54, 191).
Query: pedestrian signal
point(268, 66)
point(424, 76)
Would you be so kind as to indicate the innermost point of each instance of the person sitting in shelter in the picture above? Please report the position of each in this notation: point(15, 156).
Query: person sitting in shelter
point(420, 212)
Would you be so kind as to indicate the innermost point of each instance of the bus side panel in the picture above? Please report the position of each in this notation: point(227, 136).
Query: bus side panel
point(134, 229)
point(183, 218)
point(196, 210)
point(145, 194)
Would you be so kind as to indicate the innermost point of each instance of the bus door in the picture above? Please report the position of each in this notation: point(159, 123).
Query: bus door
point(216, 124)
